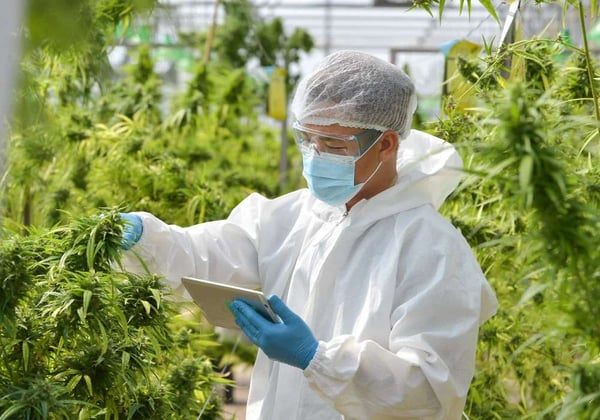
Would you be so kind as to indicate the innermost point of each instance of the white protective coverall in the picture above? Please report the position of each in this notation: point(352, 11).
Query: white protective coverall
point(390, 289)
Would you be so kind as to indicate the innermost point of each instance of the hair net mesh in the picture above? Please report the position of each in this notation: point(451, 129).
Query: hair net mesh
point(354, 89)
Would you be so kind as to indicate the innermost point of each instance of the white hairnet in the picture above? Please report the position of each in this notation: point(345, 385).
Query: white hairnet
point(355, 89)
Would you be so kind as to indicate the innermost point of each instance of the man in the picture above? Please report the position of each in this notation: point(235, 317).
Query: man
point(380, 297)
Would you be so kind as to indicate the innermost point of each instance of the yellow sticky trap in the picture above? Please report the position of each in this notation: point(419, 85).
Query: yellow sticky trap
point(277, 101)
point(456, 85)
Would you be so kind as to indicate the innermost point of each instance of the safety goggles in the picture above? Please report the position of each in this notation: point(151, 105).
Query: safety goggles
point(354, 145)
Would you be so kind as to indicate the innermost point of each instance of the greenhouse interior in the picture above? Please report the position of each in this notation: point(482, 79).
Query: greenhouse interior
point(142, 141)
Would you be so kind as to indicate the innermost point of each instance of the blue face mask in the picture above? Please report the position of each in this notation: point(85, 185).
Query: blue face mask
point(330, 178)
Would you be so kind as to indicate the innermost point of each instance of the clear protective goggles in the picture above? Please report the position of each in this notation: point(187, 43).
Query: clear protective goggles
point(354, 145)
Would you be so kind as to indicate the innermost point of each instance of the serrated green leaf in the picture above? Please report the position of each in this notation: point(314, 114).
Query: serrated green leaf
point(99, 247)
point(103, 337)
point(81, 314)
point(89, 249)
point(489, 6)
point(72, 384)
point(88, 383)
point(44, 409)
point(588, 139)
point(84, 414)
point(12, 409)
point(25, 349)
point(531, 291)
point(87, 297)
point(133, 409)
point(525, 172)
point(441, 8)
point(156, 295)
point(147, 306)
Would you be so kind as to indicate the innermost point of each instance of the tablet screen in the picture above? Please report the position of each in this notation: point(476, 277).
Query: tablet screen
point(212, 298)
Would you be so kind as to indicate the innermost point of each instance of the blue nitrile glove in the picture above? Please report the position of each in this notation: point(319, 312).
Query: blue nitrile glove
point(289, 341)
point(132, 229)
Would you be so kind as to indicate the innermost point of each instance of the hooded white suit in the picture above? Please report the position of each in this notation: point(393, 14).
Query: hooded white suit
point(390, 289)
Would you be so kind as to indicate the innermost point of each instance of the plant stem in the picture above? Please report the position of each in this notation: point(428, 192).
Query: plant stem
point(27, 207)
point(211, 33)
point(588, 60)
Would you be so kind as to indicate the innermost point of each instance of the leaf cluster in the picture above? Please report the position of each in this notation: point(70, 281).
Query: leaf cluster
point(190, 164)
point(81, 340)
point(529, 208)
point(245, 36)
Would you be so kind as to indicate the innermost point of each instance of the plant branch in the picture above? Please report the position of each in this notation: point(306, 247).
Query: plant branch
point(589, 66)
point(211, 34)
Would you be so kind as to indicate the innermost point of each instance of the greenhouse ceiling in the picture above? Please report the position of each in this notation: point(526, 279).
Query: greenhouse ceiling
point(408, 38)
point(354, 24)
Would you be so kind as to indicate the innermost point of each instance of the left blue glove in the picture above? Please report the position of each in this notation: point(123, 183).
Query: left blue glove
point(290, 341)
point(132, 229)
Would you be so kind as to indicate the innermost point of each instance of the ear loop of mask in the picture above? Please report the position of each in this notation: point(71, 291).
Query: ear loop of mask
point(378, 165)
point(372, 175)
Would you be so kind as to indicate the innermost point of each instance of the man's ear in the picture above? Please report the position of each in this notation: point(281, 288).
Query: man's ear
point(388, 145)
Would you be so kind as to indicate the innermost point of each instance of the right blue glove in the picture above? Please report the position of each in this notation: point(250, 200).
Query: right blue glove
point(132, 230)
point(290, 341)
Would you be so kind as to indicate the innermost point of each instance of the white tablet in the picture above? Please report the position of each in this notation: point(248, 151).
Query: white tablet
point(212, 298)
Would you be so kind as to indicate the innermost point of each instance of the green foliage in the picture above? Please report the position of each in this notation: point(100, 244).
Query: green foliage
point(16, 255)
point(80, 339)
point(529, 209)
point(189, 161)
point(192, 165)
point(136, 94)
point(584, 402)
point(244, 37)
point(84, 24)
point(428, 5)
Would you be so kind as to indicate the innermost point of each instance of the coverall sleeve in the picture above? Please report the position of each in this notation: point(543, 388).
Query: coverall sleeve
point(425, 369)
point(224, 251)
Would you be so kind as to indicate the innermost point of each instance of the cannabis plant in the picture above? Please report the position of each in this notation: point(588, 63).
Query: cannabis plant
point(529, 208)
point(81, 340)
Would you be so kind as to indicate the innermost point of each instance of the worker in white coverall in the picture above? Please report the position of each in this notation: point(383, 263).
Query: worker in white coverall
point(380, 297)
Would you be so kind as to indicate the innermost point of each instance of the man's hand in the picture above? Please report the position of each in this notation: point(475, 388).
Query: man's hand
point(132, 229)
point(290, 341)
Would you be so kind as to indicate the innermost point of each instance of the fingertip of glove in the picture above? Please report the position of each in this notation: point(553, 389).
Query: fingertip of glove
point(278, 306)
point(275, 300)
point(234, 307)
point(133, 229)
